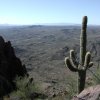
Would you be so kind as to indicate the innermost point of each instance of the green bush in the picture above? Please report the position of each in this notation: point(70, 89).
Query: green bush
point(96, 76)
point(71, 86)
point(24, 88)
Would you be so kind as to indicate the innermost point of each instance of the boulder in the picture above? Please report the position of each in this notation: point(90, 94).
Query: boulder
point(91, 93)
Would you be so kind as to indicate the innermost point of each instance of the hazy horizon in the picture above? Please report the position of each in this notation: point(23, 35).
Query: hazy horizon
point(48, 24)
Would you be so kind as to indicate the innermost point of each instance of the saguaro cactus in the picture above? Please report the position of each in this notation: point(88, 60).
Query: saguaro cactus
point(84, 63)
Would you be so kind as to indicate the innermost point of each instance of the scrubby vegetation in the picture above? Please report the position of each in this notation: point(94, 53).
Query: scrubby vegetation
point(27, 89)
point(32, 90)
point(96, 76)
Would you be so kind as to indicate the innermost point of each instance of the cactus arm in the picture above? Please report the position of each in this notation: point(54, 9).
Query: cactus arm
point(69, 65)
point(73, 59)
point(87, 60)
point(87, 63)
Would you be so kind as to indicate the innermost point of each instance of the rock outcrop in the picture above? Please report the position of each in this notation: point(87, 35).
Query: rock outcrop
point(10, 66)
point(91, 93)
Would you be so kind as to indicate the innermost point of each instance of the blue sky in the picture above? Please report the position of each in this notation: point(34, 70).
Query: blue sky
point(49, 11)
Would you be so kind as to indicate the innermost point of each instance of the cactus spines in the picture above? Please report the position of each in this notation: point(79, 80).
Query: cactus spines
point(85, 58)
point(83, 40)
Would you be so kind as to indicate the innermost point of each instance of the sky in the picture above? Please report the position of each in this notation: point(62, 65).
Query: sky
point(32, 12)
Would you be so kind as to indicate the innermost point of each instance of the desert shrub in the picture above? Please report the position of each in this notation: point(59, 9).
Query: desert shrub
point(96, 76)
point(24, 88)
point(71, 87)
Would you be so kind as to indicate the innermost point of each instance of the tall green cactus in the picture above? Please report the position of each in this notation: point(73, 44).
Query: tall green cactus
point(82, 66)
